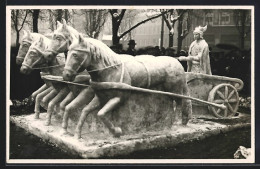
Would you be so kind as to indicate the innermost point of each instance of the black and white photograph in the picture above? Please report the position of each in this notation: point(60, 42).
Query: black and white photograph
point(130, 84)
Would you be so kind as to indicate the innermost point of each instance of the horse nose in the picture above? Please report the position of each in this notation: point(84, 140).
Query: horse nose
point(19, 61)
point(67, 75)
point(48, 55)
point(24, 70)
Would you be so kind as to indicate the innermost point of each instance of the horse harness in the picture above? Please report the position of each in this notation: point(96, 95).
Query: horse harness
point(66, 43)
point(38, 60)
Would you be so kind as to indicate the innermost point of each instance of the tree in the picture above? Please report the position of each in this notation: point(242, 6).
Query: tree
point(170, 21)
point(116, 21)
point(35, 15)
point(18, 18)
point(117, 17)
point(242, 19)
point(183, 26)
point(95, 20)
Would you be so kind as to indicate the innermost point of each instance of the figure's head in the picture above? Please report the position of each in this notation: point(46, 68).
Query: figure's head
point(198, 32)
point(59, 42)
point(79, 57)
point(24, 47)
point(34, 57)
point(131, 44)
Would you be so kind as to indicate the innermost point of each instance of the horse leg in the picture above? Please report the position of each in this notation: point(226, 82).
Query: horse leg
point(93, 105)
point(178, 109)
point(38, 101)
point(65, 102)
point(63, 93)
point(84, 97)
point(41, 89)
point(186, 107)
point(49, 96)
point(110, 105)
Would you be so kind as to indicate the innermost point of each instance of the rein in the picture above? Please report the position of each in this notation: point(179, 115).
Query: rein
point(42, 57)
point(95, 70)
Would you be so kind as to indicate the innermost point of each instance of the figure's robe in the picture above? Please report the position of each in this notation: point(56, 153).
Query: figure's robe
point(200, 49)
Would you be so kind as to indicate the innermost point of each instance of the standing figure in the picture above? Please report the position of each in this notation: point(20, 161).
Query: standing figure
point(198, 60)
point(131, 49)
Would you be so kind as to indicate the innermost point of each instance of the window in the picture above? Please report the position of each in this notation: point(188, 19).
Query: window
point(225, 18)
point(209, 18)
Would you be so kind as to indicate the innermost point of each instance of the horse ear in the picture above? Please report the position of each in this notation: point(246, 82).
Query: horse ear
point(40, 41)
point(25, 33)
point(74, 38)
point(64, 24)
point(81, 38)
point(64, 21)
point(59, 24)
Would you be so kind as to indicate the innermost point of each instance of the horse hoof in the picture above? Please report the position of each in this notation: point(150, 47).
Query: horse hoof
point(117, 132)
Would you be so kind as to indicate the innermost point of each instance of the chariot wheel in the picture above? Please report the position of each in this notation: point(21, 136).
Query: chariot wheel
point(227, 95)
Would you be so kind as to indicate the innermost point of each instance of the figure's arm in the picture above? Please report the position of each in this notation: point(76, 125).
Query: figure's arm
point(190, 58)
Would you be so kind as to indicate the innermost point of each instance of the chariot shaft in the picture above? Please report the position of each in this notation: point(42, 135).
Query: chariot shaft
point(124, 86)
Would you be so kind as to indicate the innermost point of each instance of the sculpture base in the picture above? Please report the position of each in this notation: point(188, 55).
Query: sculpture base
point(103, 145)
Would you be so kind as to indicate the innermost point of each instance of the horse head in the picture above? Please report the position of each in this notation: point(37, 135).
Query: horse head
point(27, 40)
point(34, 56)
point(79, 57)
point(61, 40)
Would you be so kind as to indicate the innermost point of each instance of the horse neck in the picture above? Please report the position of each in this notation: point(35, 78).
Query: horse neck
point(104, 62)
point(56, 70)
point(54, 62)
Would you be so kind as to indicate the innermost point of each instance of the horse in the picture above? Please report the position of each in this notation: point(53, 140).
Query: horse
point(143, 71)
point(61, 39)
point(27, 39)
point(57, 91)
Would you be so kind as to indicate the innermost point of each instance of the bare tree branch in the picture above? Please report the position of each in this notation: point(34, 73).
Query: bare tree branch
point(23, 20)
point(129, 30)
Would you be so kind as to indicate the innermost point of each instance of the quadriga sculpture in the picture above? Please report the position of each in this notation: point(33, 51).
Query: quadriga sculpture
point(143, 71)
point(62, 38)
point(34, 60)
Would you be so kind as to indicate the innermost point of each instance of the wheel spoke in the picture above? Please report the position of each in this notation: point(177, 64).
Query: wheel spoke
point(225, 112)
point(221, 95)
point(230, 108)
point(232, 101)
point(226, 91)
point(219, 101)
point(231, 94)
point(218, 111)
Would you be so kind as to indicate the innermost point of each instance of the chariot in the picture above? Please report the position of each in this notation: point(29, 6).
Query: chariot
point(211, 94)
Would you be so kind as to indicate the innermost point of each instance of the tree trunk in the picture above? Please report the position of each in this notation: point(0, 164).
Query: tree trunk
point(66, 15)
point(115, 38)
point(17, 38)
point(162, 33)
point(180, 37)
point(35, 20)
point(170, 40)
point(59, 15)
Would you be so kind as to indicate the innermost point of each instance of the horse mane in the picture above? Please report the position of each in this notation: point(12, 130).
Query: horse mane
point(99, 51)
point(37, 36)
point(70, 30)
